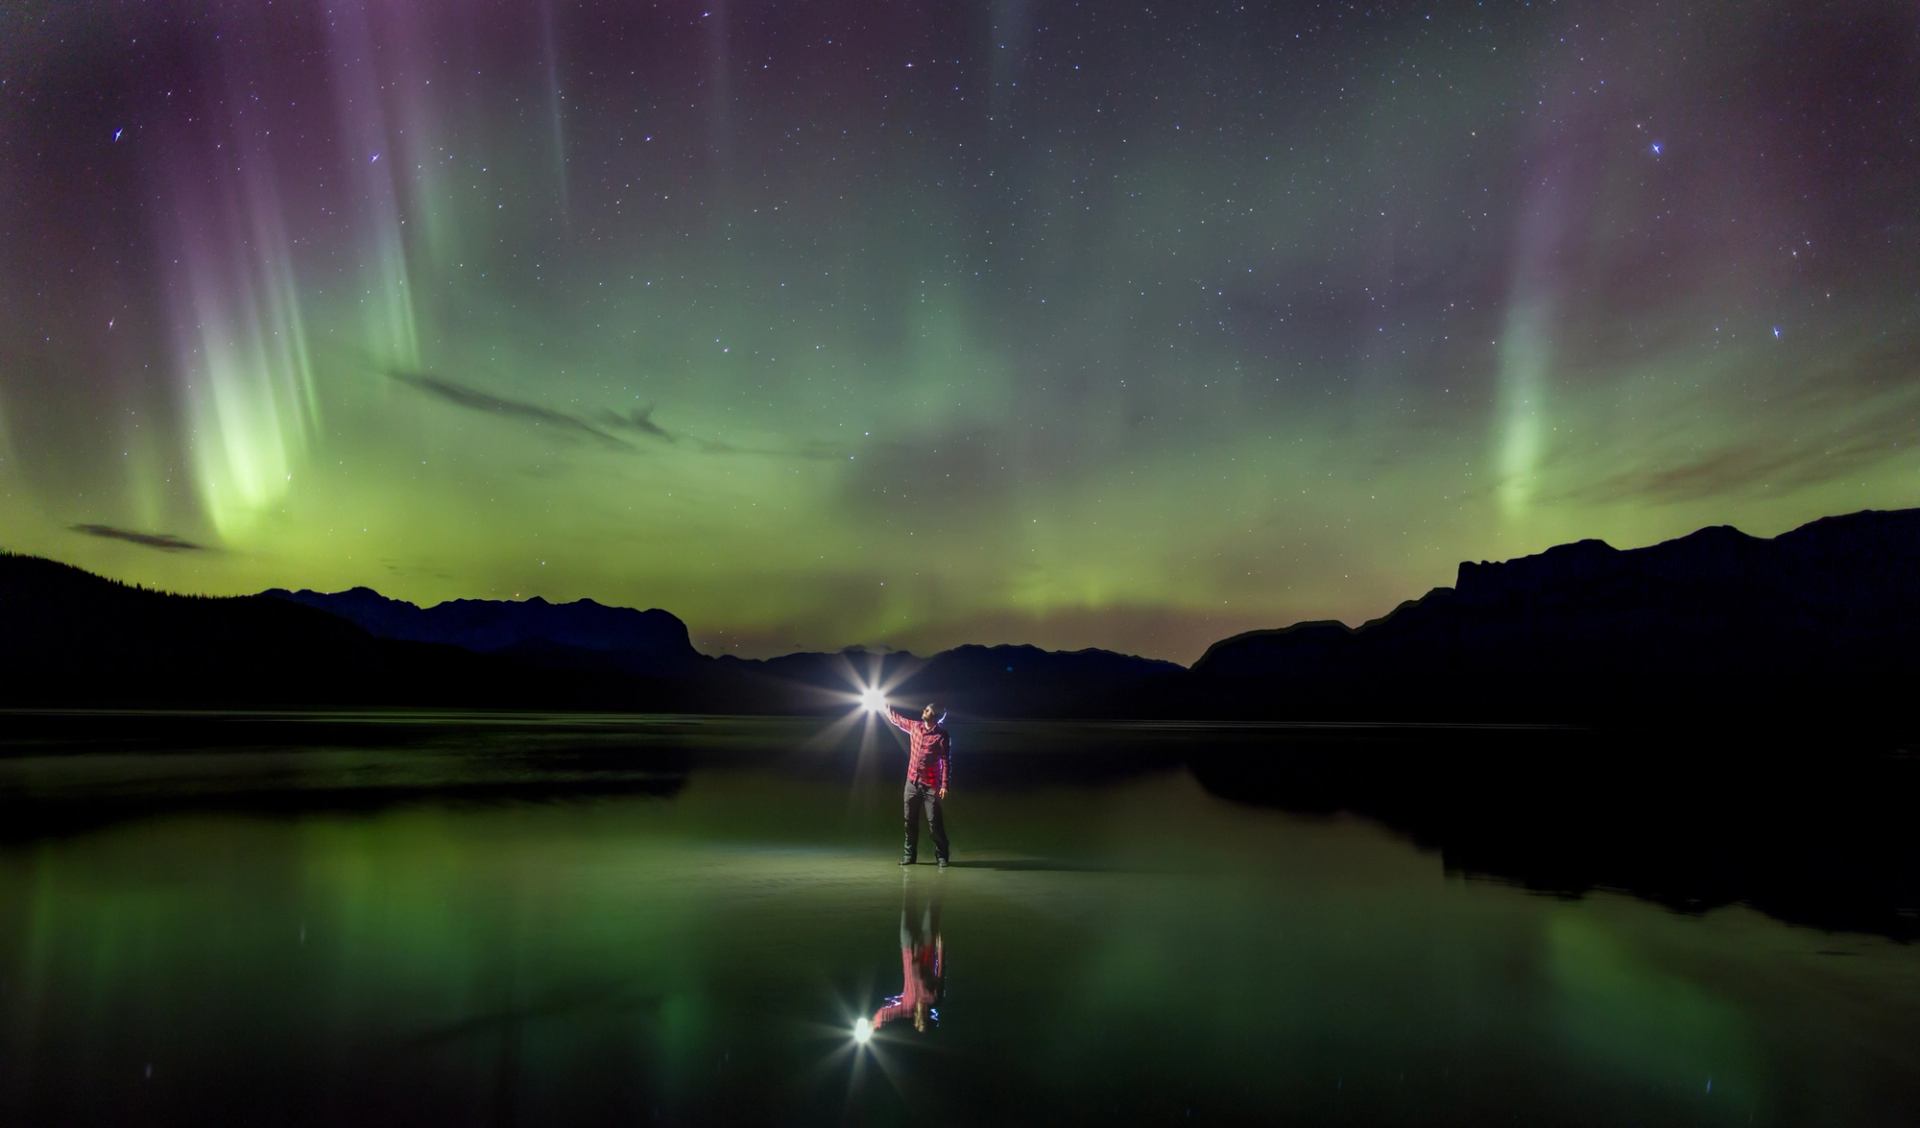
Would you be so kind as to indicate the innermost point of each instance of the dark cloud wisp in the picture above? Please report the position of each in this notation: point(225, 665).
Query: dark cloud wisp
point(640, 420)
point(602, 425)
point(165, 542)
point(532, 414)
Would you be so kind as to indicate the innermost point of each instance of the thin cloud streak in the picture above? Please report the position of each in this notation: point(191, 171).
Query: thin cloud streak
point(602, 425)
point(164, 542)
point(532, 414)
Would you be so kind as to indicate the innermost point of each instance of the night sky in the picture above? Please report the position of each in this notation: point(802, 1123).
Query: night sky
point(919, 323)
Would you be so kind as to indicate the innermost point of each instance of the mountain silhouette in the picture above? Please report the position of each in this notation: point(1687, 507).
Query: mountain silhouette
point(75, 639)
point(1824, 617)
point(585, 635)
point(1819, 623)
point(579, 633)
point(1008, 681)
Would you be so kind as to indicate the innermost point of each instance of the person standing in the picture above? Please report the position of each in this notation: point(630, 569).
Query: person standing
point(929, 767)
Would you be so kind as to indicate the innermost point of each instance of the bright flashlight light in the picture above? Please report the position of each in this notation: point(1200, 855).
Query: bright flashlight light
point(863, 1030)
point(872, 700)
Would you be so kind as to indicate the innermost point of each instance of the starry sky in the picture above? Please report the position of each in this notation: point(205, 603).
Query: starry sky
point(915, 323)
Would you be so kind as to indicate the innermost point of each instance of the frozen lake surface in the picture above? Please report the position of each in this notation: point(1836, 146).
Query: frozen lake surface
point(594, 921)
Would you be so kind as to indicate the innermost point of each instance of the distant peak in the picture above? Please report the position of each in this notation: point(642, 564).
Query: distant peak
point(1715, 533)
point(998, 648)
point(1583, 545)
point(1860, 518)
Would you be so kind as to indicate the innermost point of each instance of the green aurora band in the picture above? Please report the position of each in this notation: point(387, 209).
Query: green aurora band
point(944, 323)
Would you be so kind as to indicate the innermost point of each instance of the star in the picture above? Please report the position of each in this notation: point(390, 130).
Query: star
point(1205, 300)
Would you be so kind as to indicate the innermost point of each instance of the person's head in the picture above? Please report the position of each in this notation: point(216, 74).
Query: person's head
point(932, 712)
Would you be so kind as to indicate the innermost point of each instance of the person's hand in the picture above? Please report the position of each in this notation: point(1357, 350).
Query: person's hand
point(943, 793)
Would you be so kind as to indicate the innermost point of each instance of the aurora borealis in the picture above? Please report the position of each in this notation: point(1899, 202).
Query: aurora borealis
point(912, 324)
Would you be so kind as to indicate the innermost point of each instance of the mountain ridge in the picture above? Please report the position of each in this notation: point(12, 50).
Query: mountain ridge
point(1581, 630)
point(645, 641)
point(1823, 613)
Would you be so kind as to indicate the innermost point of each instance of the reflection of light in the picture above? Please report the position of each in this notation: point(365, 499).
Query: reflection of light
point(873, 700)
point(863, 1030)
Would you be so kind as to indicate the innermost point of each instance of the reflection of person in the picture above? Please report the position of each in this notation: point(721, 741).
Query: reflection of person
point(923, 965)
point(929, 759)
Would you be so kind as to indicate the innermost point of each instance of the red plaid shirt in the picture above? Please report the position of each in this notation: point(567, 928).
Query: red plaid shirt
point(929, 746)
point(921, 976)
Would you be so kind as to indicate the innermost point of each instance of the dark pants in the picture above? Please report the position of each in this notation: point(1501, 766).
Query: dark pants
point(917, 796)
point(919, 916)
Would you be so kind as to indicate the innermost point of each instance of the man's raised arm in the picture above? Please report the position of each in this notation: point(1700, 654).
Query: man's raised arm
point(888, 712)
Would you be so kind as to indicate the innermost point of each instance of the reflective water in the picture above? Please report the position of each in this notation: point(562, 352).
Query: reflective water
point(486, 930)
